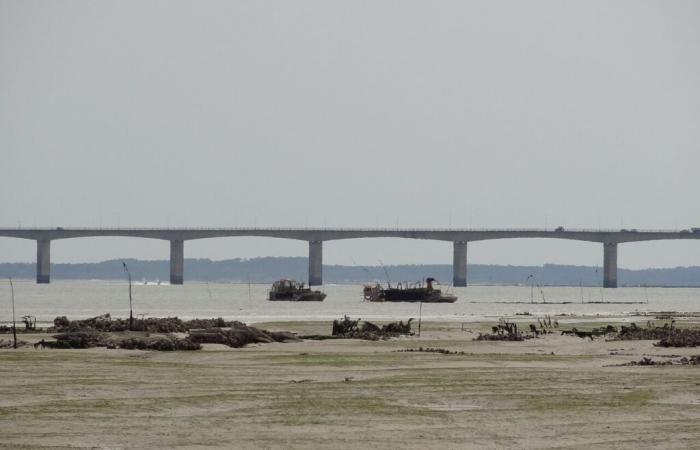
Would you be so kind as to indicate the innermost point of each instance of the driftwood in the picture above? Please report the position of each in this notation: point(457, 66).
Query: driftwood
point(502, 337)
point(369, 327)
point(95, 332)
point(634, 332)
point(684, 361)
point(239, 335)
point(78, 339)
point(595, 332)
point(346, 328)
point(167, 343)
point(680, 338)
point(397, 327)
point(668, 335)
point(91, 338)
point(106, 323)
point(442, 351)
point(646, 362)
point(504, 331)
point(29, 323)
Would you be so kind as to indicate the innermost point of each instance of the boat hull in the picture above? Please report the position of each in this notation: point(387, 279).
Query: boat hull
point(441, 299)
point(305, 297)
point(415, 295)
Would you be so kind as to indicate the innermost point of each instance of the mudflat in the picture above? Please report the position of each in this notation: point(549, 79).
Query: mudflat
point(550, 392)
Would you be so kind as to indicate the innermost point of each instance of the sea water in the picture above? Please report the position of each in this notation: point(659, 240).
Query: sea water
point(248, 303)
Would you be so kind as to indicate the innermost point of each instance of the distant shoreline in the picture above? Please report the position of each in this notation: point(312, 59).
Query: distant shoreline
point(267, 269)
point(355, 283)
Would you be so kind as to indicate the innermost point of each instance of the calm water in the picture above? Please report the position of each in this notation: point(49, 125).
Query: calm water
point(83, 299)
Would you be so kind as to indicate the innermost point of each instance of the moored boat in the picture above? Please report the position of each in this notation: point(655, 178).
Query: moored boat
point(293, 291)
point(417, 293)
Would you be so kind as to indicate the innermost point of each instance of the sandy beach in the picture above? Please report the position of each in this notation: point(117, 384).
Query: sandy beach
point(551, 392)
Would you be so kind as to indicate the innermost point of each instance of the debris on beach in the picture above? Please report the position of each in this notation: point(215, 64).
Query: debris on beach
point(78, 339)
point(625, 332)
point(239, 335)
point(396, 327)
point(29, 323)
point(106, 323)
point(595, 332)
point(645, 361)
point(347, 328)
point(667, 315)
point(104, 331)
point(634, 332)
point(91, 338)
point(442, 351)
point(667, 334)
point(508, 331)
point(692, 361)
point(161, 343)
point(206, 323)
point(504, 331)
point(687, 337)
point(544, 326)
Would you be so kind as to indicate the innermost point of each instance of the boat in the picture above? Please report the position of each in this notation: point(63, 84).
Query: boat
point(293, 291)
point(374, 292)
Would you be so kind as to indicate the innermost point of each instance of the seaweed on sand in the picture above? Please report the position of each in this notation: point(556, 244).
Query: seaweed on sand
point(239, 335)
point(91, 338)
point(347, 328)
point(106, 323)
point(504, 331)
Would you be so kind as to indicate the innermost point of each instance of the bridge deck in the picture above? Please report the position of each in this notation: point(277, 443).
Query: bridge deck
point(329, 234)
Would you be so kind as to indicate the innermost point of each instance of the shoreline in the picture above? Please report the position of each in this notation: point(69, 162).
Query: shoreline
point(685, 316)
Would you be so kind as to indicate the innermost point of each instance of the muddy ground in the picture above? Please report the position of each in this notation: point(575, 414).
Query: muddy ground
point(550, 392)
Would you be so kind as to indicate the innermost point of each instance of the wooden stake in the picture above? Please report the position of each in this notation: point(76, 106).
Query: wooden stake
point(420, 315)
point(14, 325)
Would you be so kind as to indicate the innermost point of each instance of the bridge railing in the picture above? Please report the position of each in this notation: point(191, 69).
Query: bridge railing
point(349, 229)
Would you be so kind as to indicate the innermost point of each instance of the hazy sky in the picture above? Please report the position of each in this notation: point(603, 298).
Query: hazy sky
point(376, 113)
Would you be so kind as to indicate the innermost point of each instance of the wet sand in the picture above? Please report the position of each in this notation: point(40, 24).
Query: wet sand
point(550, 392)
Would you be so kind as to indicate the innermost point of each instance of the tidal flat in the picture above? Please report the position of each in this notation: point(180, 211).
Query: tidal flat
point(549, 392)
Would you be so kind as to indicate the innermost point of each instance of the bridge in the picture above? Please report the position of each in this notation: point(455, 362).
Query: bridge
point(317, 236)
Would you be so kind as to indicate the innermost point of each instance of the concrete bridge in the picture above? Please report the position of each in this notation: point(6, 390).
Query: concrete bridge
point(315, 237)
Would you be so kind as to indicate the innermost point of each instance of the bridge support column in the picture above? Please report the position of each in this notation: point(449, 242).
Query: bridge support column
point(315, 263)
point(459, 264)
point(177, 261)
point(43, 261)
point(610, 264)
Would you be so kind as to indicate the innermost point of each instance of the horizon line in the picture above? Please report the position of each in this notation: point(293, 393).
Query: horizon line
point(167, 261)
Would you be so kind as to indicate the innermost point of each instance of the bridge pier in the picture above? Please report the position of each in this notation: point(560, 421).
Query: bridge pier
point(315, 263)
point(459, 264)
point(43, 261)
point(610, 264)
point(177, 261)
